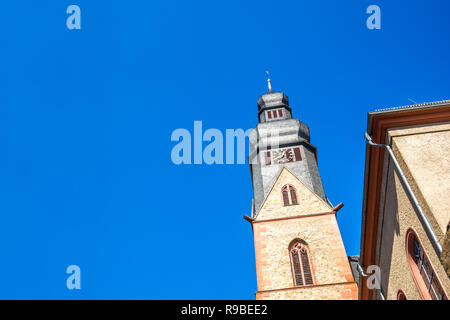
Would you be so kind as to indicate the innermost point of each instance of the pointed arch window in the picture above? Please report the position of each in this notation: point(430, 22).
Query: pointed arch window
point(301, 264)
point(289, 195)
point(401, 295)
point(422, 271)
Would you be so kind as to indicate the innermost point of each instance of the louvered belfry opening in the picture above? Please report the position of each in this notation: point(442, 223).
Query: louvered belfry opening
point(301, 266)
point(285, 197)
point(293, 196)
point(289, 195)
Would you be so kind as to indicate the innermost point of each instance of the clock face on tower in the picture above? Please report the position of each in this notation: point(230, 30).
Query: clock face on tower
point(283, 156)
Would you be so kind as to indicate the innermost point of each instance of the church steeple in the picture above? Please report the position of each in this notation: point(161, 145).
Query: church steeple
point(278, 133)
point(298, 248)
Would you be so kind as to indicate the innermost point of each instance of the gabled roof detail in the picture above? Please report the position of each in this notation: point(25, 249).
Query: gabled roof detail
point(308, 201)
point(413, 106)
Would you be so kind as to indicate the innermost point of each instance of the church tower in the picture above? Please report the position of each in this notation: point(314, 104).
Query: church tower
point(298, 247)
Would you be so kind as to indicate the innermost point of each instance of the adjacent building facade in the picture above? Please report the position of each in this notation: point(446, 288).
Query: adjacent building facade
point(405, 219)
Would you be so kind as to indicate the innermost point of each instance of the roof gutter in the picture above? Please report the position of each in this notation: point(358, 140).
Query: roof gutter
point(377, 281)
point(415, 203)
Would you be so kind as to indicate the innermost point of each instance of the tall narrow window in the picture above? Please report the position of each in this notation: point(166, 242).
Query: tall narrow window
point(267, 158)
point(293, 196)
point(289, 195)
point(285, 197)
point(300, 263)
point(274, 114)
point(297, 154)
point(306, 266)
point(401, 295)
point(296, 268)
point(422, 271)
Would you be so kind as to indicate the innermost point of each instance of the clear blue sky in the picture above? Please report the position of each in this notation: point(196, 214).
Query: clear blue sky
point(86, 117)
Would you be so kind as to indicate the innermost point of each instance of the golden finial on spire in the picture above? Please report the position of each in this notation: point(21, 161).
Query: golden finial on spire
point(269, 85)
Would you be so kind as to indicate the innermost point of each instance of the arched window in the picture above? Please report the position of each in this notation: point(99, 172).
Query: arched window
point(422, 271)
point(300, 263)
point(289, 195)
point(401, 295)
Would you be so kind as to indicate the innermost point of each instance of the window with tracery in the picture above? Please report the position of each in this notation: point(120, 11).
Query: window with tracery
point(422, 271)
point(289, 195)
point(301, 264)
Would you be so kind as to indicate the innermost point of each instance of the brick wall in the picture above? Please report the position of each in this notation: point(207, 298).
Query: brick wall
point(312, 221)
point(329, 292)
point(309, 202)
